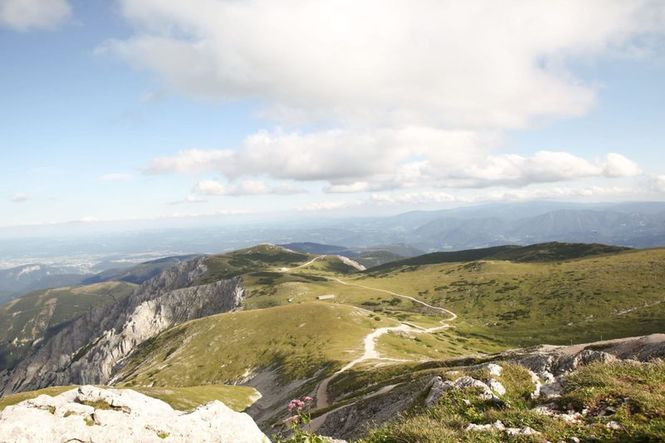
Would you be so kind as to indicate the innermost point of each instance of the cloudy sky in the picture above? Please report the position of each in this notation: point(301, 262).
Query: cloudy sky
point(124, 109)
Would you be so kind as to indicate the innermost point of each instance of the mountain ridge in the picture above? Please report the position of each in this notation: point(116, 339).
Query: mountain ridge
point(88, 349)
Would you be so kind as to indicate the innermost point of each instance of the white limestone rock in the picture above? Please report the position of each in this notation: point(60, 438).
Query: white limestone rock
point(536, 383)
point(498, 426)
point(470, 382)
point(494, 370)
point(490, 427)
point(113, 415)
point(521, 431)
point(437, 387)
point(497, 387)
point(551, 390)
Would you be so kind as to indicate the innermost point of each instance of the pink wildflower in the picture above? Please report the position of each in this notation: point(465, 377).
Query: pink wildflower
point(296, 405)
point(308, 399)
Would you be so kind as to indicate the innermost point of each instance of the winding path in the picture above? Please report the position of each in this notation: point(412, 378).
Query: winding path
point(369, 342)
point(452, 315)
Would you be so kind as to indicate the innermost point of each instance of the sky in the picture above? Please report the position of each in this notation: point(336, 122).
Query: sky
point(157, 109)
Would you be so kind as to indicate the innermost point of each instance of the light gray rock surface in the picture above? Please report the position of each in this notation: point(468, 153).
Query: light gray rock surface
point(498, 426)
point(90, 349)
point(91, 414)
point(438, 387)
point(470, 382)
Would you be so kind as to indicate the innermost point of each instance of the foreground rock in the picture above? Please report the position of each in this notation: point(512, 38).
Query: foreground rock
point(91, 414)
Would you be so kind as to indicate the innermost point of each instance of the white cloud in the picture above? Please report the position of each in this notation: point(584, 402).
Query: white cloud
point(19, 197)
point(499, 195)
point(555, 193)
point(659, 183)
point(429, 197)
point(341, 156)
point(118, 177)
point(619, 166)
point(541, 167)
point(422, 197)
point(356, 186)
point(189, 161)
point(246, 187)
point(23, 15)
point(190, 199)
point(433, 62)
point(328, 206)
point(418, 94)
point(384, 159)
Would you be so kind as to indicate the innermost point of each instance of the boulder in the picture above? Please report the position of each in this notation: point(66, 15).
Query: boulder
point(437, 387)
point(536, 384)
point(521, 431)
point(551, 390)
point(497, 387)
point(498, 426)
point(587, 356)
point(470, 382)
point(489, 427)
point(494, 370)
point(92, 414)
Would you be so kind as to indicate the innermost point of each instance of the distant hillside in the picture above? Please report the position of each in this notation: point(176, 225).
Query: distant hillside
point(140, 273)
point(248, 260)
point(88, 348)
point(638, 225)
point(367, 257)
point(544, 252)
point(316, 248)
point(26, 321)
point(33, 277)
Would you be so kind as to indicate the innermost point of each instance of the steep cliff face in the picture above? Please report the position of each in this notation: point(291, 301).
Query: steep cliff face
point(92, 347)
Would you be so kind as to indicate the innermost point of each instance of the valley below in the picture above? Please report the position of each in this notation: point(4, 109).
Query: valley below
point(549, 342)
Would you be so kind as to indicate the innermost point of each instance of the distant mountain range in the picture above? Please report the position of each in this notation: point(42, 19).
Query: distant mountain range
point(368, 257)
point(638, 225)
point(32, 277)
point(369, 240)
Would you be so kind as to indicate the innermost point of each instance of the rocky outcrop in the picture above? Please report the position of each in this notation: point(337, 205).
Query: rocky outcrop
point(438, 388)
point(499, 426)
point(91, 414)
point(548, 367)
point(353, 421)
point(92, 348)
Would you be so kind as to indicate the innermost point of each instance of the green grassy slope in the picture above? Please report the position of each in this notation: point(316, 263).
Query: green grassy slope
point(544, 252)
point(500, 303)
point(237, 398)
point(35, 315)
point(297, 340)
point(519, 304)
point(257, 258)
